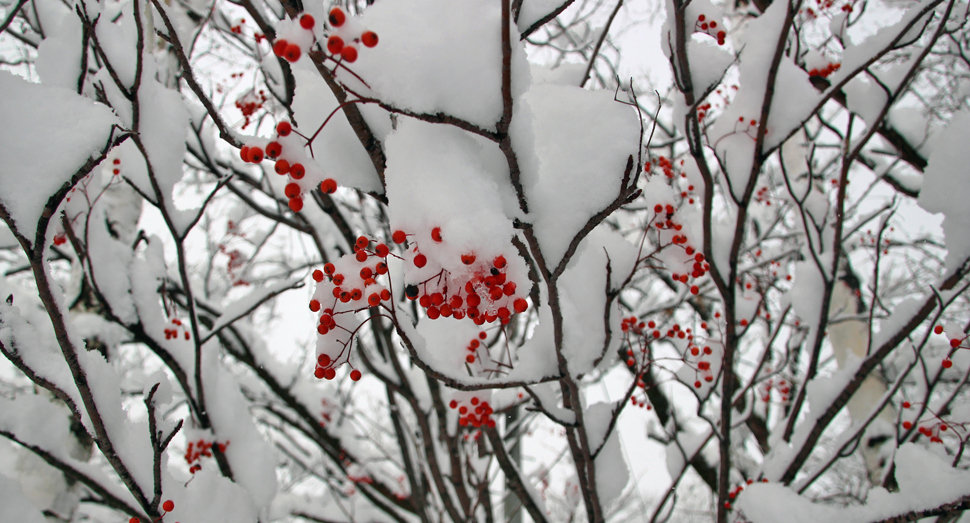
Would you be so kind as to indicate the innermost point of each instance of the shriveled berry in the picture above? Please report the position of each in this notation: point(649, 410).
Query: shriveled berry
point(369, 38)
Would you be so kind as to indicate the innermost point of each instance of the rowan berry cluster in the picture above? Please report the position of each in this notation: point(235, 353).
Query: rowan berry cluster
point(781, 385)
point(703, 25)
point(295, 39)
point(345, 286)
point(958, 340)
point(248, 104)
point(173, 333)
point(286, 149)
point(344, 35)
point(475, 412)
point(824, 72)
point(201, 449)
point(477, 289)
point(167, 506)
point(934, 427)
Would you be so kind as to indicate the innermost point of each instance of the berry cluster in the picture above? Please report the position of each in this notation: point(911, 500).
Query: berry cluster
point(710, 27)
point(824, 72)
point(249, 103)
point(167, 506)
point(236, 260)
point(781, 385)
point(286, 149)
point(326, 369)
point(295, 39)
point(934, 427)
point(476, 412)
point(344, 35)
point(345, 286)
point(173, 333)
point(201, 449)
point(958, 340)
point(476, 289)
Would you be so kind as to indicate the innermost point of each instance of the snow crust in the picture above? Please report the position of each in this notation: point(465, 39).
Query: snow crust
point(439, 56)
point(925, 481)
point(572, 147)
point(74, 126)
point(945, 186)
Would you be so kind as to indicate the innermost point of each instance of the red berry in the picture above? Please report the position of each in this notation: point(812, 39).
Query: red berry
point(349, 53)
point(520, 305)
point(907, 425)
point(374, 300)
point(955, 342)
point(329, 268)
point(307, 21)
point(399, 237)
point(244, 153)
point(134, 520)
point(355, 375)
point(938, 329)
point(499, 262)
point(255, 154)
point(296, 204)
point(329, 373)
point(468, 259)
point(323, 360)
point(382, 250)
point(369, 38)
point(420, 261)
point(436, 234)
point(291, 190)
point(297, 171)
point(337, 17)
point(273, 149)
point(319, 371)
point(947, 363)
point(335, 44)
point(292, 53)
point(279, 48)
point(168, 506)
point(907, 404)
point(282, 167)
point(283, 128)
point(314, 305)
point(361, 256)
point(328, 186)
